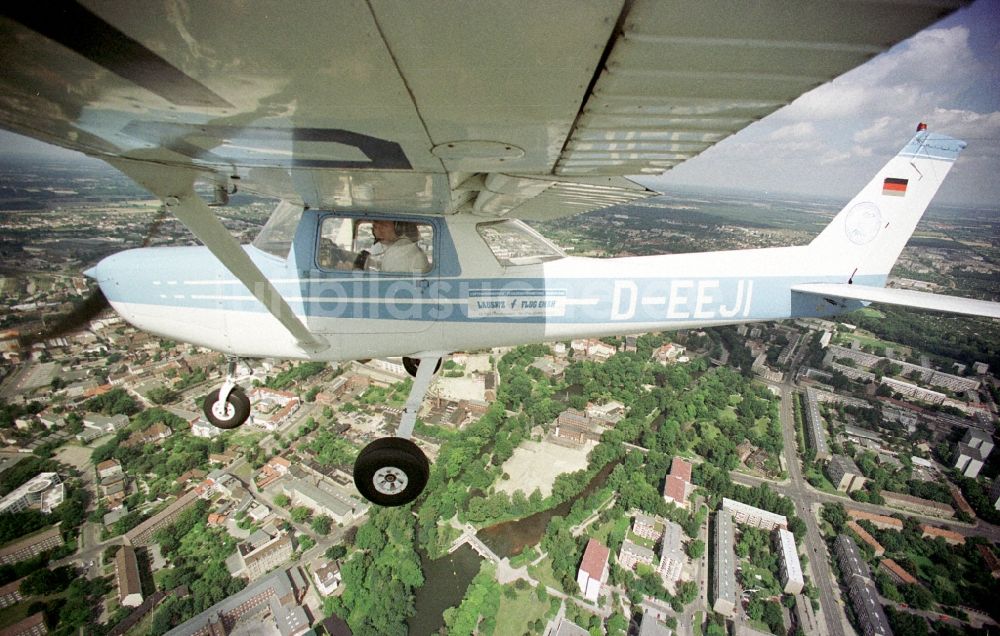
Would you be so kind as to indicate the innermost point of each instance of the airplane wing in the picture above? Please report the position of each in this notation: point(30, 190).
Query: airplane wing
point(835, 292)
point(507, 108)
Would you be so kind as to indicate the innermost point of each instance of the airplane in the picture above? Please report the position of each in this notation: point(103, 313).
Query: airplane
point(408, 144)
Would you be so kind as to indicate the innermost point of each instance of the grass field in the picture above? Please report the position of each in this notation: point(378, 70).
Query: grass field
point(516, 615)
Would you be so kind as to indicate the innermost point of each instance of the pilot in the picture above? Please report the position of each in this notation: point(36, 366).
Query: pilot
point(396, 248)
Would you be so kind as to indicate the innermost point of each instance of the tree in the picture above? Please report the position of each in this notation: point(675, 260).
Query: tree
point(696, 548)
point(321, 525)
point(282, 501)
point(301, 514)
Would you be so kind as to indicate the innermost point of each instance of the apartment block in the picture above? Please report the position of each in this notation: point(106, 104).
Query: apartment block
point(746, 514)
point(789, 567)
point(724, 589)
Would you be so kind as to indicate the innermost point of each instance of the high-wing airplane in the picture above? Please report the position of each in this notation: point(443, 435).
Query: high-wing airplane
point(409, 142)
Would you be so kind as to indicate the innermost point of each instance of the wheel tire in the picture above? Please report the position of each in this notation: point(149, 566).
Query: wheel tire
point(391, 471)
point(411, 365)
point(237, 409)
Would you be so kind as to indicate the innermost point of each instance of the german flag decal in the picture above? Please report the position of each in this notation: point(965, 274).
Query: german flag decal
point(895, 187)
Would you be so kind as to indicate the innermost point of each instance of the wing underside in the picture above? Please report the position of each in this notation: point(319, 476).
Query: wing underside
point(903, 297)
point(506, 108)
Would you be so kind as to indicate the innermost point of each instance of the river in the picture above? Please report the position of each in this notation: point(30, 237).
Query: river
point(445, 582)
point(510, 538)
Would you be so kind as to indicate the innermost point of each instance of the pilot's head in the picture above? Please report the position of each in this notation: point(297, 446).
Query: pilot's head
point(384, 231)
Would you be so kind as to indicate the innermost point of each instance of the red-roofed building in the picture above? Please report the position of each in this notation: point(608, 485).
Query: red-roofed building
point(896, 572)
point(681, 468)
point(881, 522)
point(960, 502)
point(675, 491)
point(866, 537)
point(949, 536)
point(992, 562)
point(593, 570)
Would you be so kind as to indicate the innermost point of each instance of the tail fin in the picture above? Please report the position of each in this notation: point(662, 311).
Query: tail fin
point(866, 237)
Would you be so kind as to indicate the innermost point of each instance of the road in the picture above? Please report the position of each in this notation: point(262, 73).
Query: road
point(797, 490)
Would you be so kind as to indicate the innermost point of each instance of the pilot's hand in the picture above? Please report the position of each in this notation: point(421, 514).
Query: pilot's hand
point(362, 259)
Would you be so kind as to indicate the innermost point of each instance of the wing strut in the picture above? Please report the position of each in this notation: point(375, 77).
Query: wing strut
point(175, 186)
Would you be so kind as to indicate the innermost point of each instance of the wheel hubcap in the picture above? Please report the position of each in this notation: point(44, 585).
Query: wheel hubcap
point(223, 410)
point(389, 480)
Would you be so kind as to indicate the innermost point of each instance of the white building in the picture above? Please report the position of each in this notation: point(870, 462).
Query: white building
point(789, 566)
point(748, 515)
point(593, 570)
point(44, 491)
point(201, 428)
point(672, 555)
point(327, 577)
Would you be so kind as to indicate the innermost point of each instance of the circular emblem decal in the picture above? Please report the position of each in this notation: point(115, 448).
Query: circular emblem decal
point(863, 223)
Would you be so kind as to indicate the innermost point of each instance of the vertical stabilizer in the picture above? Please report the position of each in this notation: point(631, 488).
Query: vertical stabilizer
point(866, 237)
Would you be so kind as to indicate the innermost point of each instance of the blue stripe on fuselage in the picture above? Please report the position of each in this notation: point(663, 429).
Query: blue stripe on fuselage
point(507, 301)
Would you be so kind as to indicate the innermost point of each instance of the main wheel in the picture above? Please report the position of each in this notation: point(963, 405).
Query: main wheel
point(391, 471)
point(411, 365)
point(235, 411)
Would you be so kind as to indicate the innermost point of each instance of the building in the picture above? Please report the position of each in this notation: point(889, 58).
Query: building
point(881, 522)
point(43, 492)
point(990, 557)
point(647, 527)
point(593, 570)
point(968, 460)
point(849, 558)
point(746, 514)
point(977, 438)
point(127, 577)
point(33, 625)
point(959, 500)
point(805, 616)
point(649, 625)
point(861, 589)
point(724, 588)
point(31, 546)
point(103, 424)
point(261, 553)
point(203, 428)
point(632, 553)
point(325, 498)
point(10, 594)
point(916, 504)
point(844, 473)
point(913, 391)
point(866, 536)
point(678, 483)
point(108, 468)
point(670, 353)
point(864, 599)
point(142, 534)
point(568, 628)
point(327, 577)
point(930, 532)
point(278, 595)
point(896, 572)
point(815, 428)
point(995, 493)
point(672, 555)
point(789, 566)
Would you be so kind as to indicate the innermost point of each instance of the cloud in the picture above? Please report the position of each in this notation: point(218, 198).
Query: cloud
point(799, 130)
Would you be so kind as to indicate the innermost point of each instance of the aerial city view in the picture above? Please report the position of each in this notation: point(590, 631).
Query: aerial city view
point(802, 477)
point(589, 318)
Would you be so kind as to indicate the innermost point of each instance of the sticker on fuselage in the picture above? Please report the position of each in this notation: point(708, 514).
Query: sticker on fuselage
point(517, 303)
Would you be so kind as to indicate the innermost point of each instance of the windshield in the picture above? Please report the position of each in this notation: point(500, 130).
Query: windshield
point(276, 236)
point(514, 243)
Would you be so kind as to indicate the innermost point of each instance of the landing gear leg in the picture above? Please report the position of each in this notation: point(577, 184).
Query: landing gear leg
point(229, 406)
point(393, 471)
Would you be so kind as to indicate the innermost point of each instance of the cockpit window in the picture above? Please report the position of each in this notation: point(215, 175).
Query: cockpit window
point(277, 234)
point(514, 243)
point(380, 245)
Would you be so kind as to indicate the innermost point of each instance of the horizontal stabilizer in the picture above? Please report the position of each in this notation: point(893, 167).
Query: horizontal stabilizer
point(904, 297)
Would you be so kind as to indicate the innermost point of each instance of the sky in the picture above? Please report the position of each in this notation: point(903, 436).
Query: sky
point(832, 140)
